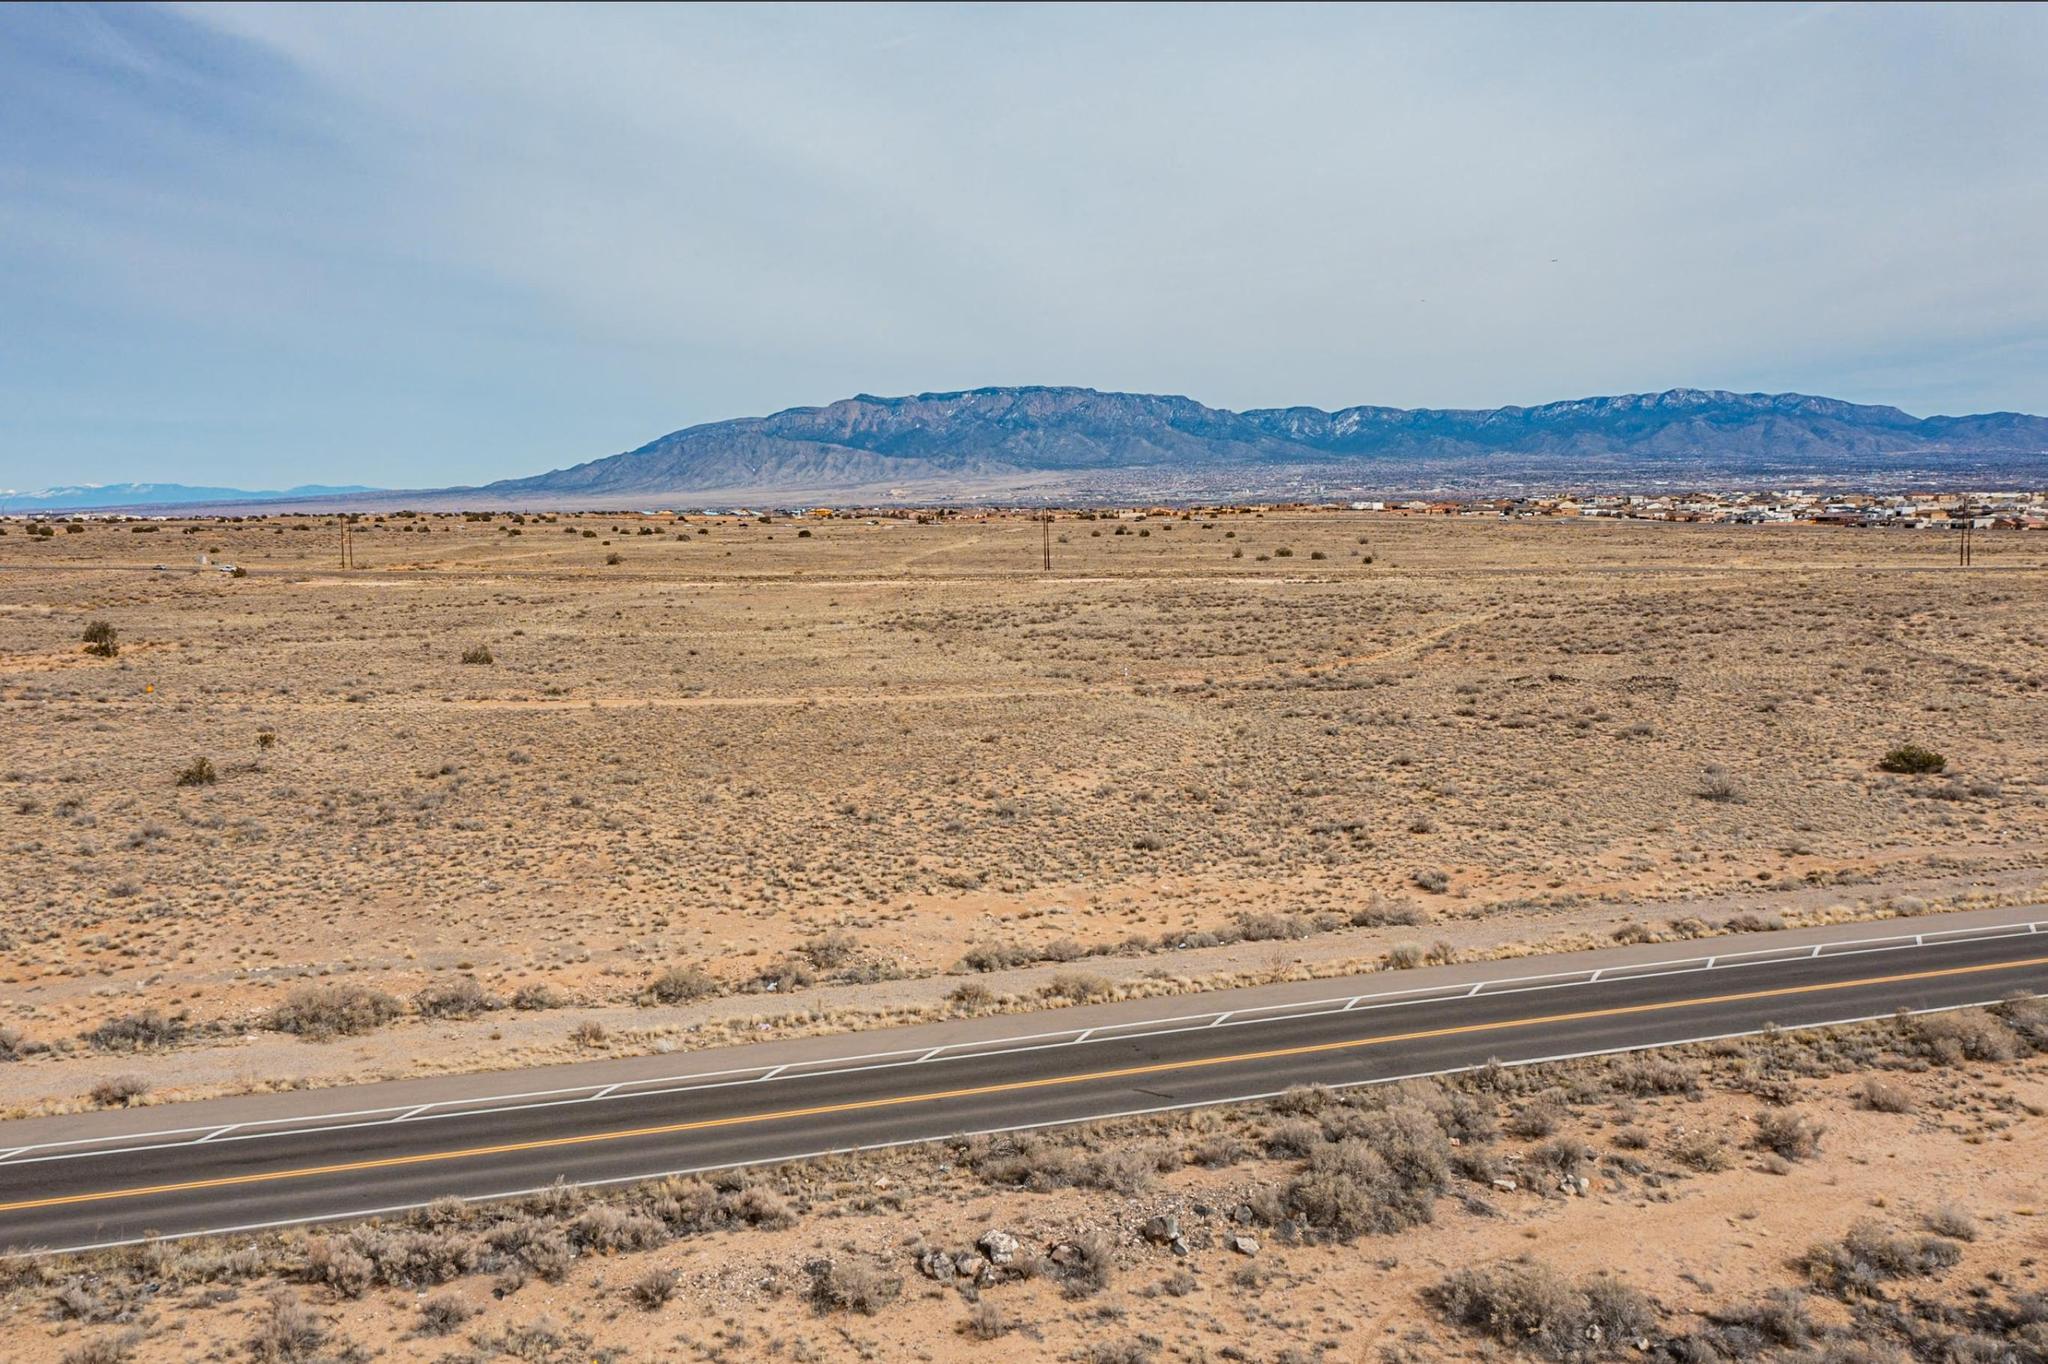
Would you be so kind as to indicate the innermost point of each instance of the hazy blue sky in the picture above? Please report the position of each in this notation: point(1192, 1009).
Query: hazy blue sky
point(264, 246)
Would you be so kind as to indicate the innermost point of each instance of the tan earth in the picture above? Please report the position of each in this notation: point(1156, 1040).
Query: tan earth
point(819, 753)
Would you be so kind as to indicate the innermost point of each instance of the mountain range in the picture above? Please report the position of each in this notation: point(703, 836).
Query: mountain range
point(88, 495)
point(1073, 440)
point(1078, 444)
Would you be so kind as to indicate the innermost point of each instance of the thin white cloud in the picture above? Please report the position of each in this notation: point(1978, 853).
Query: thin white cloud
point(628, 218)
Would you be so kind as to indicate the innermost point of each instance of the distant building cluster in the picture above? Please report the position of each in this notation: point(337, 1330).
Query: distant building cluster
point(1934, 510)
point(1927, 510)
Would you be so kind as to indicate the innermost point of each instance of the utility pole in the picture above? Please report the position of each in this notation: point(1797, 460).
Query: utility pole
point(1045, 539)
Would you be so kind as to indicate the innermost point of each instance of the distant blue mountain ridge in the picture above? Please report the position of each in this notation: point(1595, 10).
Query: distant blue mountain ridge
point(1040, 442)
point(83, 497)
point(1068, 433)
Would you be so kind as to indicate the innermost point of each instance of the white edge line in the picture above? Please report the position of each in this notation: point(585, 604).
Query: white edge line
point(480, 1106)
point(13, 1254)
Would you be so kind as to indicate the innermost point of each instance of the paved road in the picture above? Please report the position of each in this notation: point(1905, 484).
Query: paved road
point(164, 1176)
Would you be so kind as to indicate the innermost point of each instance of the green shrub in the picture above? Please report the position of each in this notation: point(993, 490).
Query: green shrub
point(102, 639)
point(1911, 758)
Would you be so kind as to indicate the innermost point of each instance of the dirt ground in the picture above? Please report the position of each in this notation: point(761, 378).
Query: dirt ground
point(814, 754)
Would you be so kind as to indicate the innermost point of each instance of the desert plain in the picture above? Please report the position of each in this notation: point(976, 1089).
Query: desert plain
point(519, 789)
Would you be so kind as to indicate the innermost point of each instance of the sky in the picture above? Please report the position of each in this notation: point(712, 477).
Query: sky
point(258, 246)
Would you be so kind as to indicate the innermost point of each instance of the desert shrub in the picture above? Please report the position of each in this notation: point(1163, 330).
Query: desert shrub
point(678, 985)
point(1560, 1155)
point(1537, 1118)
point(1400, 913)
point(1405, 956)
point(1265, 927)
point(407, 1257)
point(1136, 1349)
point(996, 957)
point(198, 772)
point(118, 1091)
point(854, 1286)
point(1219, 1152)
point(536, 996)
point(1701, 1150)
point(829, 951)
point(1716, 785)
point(1953, 1222)
point(985, 1321)
point(13, 1046)
point(1787, 1133)
point(971, 996)
point(1467, 1117)
point(1644, 1076)
point(589, 1033)
point(1911, 759)
point(615, 558)
point(461, 997)
point(1295, 1137)
point(783, 976)
point(2027, 1016)
point(340, 1266)
point(1868, 1254)
point(1533, 1307)
point(1084, 1265)
point(1348, 1188)
point(439, 1316)
point(1078, 987)
point(1966, 1035)
point(1432, 879)
point(1880, 1095)
point(76, 1300)
point(650, 1290)
point(607, 1228)
point(102, 639)
point(548, 1254)
point(319, 1012)
point(143, 1031)
point(1749, 1330)
point(112, 1349)
point(479, 654)
point(289, 1333)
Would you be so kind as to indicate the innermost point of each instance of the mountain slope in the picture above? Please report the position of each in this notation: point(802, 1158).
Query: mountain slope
point(1054, 436)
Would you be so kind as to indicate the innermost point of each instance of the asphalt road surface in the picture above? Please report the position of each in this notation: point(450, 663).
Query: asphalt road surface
point(169, 1178)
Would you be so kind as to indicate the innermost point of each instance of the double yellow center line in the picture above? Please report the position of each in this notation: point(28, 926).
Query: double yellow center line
point(1006, 1087)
